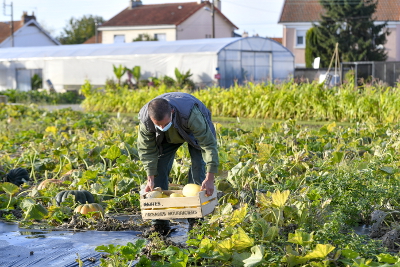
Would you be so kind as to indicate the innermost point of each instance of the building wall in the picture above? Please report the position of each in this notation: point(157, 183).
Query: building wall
point(29, 36)
point(289, 40)
point(199, 26)
point(398, 42)
point(131, 34)
point(393, 43)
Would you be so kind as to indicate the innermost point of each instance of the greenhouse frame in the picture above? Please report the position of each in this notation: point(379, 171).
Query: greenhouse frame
point(221, 61)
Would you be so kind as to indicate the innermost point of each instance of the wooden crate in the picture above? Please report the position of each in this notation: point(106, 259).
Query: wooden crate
point(178, 207)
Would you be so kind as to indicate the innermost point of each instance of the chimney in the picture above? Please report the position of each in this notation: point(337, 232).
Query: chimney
point(25, 17)
point(217, 4)
point(134, 3)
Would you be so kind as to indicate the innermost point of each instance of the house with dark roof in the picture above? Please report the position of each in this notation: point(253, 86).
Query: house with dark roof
point(297, 17)
point(166, 22)
point(26, 32)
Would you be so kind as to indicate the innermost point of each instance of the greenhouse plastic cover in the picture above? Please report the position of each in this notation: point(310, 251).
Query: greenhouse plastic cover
point(93, 50)
point(69, 66)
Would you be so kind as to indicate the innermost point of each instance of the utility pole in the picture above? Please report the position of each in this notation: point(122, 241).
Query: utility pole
point(11, 23)
point(95, 25)
point(213, 19)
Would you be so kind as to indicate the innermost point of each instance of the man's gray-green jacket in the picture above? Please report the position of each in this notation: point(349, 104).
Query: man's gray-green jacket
point(191, 122)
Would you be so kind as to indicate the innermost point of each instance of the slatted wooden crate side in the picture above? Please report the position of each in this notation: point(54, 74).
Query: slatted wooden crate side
point(209, 207)
point(179, 207)
point(168, 214)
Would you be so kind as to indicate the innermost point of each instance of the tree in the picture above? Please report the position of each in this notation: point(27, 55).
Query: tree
point(311, 47)
point(350, 23)
point(78, 31)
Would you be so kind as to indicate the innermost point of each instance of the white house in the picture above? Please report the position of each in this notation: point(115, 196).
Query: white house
point(298, 16)
point(166, 22)
point(26, 32)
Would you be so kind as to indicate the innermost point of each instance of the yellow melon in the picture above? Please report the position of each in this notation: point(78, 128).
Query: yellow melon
point(191, 190)
point(154, 194)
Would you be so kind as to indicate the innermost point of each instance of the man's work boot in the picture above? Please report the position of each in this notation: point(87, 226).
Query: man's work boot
point(194, 222)
point(161, 229)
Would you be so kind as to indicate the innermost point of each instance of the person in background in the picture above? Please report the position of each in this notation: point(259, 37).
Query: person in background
point(166, 122)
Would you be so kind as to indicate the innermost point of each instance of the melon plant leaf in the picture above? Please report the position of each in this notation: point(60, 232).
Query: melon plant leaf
point(320, 251)
point(33, 210)
point(224, 247)
point(349, 254)
point(272, 232)
point(131, 250)
point(362, 166)
point(256, 258)
point(113, 152)
point(301, 238)
point(238, 258)
point(9, 188)
point(331, 127)
point(225, 187)
point(279, 199)
point(87, 175)
point(387, 258)
point(387, 169)
point(241, 240)
point(111, 249)
point(293, 260)
point(228, 209)
point(51, 129)
point(237, 216)
point(337, 157)
point(169, 251)
point(262, 200)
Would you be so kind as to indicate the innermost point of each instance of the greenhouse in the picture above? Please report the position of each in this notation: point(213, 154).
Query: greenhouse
point(221, 61)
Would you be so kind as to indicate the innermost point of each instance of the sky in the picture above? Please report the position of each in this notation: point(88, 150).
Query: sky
point(253, 16)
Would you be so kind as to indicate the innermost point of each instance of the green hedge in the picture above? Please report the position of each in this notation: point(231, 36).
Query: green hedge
point(15, 96)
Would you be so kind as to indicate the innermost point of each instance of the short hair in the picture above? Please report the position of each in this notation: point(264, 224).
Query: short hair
point(158, 108)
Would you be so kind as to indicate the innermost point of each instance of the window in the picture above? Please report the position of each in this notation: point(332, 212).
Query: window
point(160, 37)
point(208, 35)
point(119, 38)
point(300, 38)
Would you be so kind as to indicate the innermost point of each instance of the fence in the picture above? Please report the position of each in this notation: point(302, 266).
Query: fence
point(370, 71)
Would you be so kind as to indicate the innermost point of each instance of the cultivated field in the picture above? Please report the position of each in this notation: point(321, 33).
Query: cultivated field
point(290, 194)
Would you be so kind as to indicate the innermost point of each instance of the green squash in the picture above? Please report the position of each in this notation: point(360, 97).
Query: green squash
point(17, 176)
point(81, 196)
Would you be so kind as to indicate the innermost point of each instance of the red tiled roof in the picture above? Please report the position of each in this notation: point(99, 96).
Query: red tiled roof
point(277, 39)
point(310, 10)
point(5, 30)
point(158, 14)
point(92, 40)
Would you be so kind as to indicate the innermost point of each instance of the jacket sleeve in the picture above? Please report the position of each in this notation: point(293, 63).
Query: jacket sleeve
point(205, 139)
point(147, 149)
